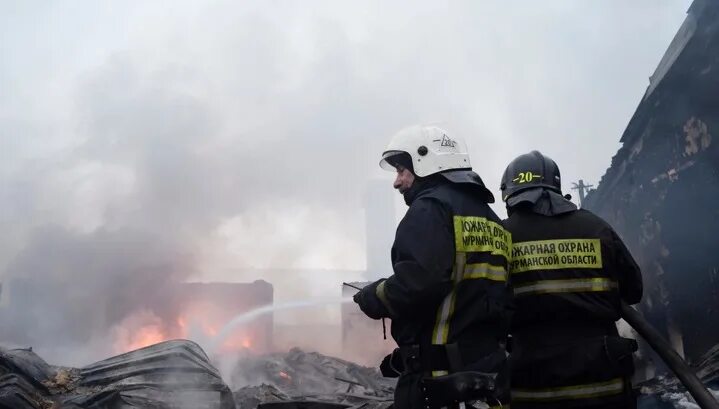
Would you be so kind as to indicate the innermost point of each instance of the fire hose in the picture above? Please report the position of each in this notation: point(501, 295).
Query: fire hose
point(686, 375)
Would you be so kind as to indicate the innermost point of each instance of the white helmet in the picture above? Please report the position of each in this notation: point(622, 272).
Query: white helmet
point(431, 150)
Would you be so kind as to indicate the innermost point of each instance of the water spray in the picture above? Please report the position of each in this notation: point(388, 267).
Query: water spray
point(251, 315)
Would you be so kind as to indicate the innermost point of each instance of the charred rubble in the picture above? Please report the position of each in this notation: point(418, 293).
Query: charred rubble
point(171, 374)
point(178, 374)
point(300, 376)
point(666, 391)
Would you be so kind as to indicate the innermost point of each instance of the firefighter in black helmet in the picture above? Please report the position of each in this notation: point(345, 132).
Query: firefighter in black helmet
point(568, 271)
point(448, 294)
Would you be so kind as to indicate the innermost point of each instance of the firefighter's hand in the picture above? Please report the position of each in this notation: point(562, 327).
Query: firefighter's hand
point(369, 303)
point(392, 365)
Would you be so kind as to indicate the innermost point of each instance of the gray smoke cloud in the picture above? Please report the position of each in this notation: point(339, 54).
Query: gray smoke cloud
point(144, 144)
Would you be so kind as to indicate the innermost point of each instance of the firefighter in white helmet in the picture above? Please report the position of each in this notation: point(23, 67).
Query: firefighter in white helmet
point(448, 296)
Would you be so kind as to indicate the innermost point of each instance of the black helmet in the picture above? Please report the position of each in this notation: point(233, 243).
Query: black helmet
point(529, 171)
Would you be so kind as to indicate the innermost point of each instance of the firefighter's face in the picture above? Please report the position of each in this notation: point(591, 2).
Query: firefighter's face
point(404, 179)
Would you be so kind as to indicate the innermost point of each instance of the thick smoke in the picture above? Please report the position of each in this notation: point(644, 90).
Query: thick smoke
point(68, 289)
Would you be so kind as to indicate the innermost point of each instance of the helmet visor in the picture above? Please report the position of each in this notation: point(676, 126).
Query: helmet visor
point(391, 159)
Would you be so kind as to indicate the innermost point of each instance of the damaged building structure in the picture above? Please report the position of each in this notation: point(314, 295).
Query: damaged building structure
point(661, 192)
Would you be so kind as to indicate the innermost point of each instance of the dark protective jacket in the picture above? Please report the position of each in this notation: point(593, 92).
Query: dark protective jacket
point(449, 284)
point(568, 274)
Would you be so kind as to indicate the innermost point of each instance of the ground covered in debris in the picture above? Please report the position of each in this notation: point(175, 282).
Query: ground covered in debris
point(299, 375)
point(666, 392)
point(172, 374)
point(178, 375)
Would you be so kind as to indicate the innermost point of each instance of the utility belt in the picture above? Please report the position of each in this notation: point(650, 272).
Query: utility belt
point(448, 357)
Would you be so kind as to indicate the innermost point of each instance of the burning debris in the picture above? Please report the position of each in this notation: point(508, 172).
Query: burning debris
point(194, 311)
point(178, 375)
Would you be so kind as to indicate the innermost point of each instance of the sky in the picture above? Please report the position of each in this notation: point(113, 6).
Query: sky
point(147, 141)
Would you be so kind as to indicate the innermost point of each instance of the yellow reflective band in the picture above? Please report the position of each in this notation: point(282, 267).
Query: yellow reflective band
point(383, 297)
point(477, 234)
point(590, 390)
point(444, 314)
point(555, 254)
point(577, 285)
point(446, 309)
point(485, 270)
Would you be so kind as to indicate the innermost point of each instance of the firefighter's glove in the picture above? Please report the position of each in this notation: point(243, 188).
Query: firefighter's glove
point(369, 303)
point(392, 365)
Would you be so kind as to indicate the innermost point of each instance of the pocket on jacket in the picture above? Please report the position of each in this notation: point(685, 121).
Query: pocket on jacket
point(620, 352)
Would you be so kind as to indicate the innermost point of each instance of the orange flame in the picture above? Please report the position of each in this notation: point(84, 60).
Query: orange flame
point(146, 328)
point(146, 336)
